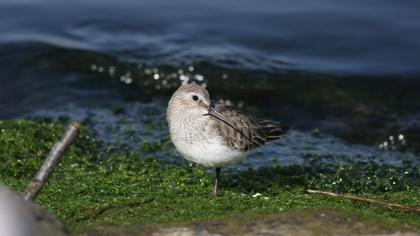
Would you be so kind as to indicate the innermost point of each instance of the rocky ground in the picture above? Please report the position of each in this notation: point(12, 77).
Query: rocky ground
point(296, 223)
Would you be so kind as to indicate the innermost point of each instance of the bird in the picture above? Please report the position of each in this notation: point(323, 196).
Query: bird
point(24, 217)
point(214, 134)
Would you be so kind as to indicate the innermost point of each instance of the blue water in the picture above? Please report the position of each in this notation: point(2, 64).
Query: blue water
point(378, 37)
point(350, 69)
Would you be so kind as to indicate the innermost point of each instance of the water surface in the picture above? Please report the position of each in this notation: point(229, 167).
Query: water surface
point(349, 70)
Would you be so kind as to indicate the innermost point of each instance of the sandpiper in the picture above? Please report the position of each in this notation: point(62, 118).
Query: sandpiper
point(214, 134)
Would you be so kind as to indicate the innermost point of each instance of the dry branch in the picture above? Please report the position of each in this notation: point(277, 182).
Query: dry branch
point(51, 162)
point(388, 205)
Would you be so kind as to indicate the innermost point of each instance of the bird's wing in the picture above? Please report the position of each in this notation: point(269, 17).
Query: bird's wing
point(241, 131)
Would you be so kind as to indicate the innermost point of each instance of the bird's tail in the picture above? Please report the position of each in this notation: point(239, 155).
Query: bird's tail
point(273, 130)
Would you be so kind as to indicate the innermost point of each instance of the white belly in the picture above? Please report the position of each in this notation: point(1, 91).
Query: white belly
point(212, 153)
point(197, 141)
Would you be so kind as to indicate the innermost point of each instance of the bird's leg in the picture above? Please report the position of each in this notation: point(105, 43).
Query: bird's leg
point(216, 183)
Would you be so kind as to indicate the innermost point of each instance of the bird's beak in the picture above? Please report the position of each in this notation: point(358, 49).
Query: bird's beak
point(218, 115)
point(213, 112)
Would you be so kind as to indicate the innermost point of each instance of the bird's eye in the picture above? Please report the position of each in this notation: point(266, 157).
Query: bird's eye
point(195, 97)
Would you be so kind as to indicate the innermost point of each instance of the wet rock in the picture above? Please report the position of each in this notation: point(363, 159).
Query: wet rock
point(21, 218)
point(303, 223)
point(182, 231)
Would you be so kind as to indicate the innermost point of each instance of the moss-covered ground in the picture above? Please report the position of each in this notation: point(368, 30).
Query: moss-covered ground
point(88, 190)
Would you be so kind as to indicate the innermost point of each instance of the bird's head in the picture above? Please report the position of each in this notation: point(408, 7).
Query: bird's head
point(190, 98)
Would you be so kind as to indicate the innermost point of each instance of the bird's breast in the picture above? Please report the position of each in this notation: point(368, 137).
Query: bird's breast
point(199, 141)
point(191, 130)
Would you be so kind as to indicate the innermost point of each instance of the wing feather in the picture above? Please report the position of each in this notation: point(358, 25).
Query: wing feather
point(247, 133)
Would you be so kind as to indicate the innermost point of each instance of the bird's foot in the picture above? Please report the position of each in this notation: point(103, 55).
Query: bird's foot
point(216, 191)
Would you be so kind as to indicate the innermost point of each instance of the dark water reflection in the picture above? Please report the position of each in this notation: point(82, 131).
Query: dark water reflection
point(349, 69)
point(346, 37)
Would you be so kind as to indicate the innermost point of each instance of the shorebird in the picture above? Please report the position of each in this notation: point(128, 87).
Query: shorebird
point(213, 134)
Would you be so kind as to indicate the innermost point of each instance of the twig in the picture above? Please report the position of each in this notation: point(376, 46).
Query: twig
point(388, 205)
point(51, 162)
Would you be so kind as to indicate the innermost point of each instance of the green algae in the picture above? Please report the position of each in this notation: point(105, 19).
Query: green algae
point(88, 191)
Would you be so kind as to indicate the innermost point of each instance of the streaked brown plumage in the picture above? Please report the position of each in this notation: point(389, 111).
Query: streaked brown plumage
point(248, 133)
point(214, 134)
